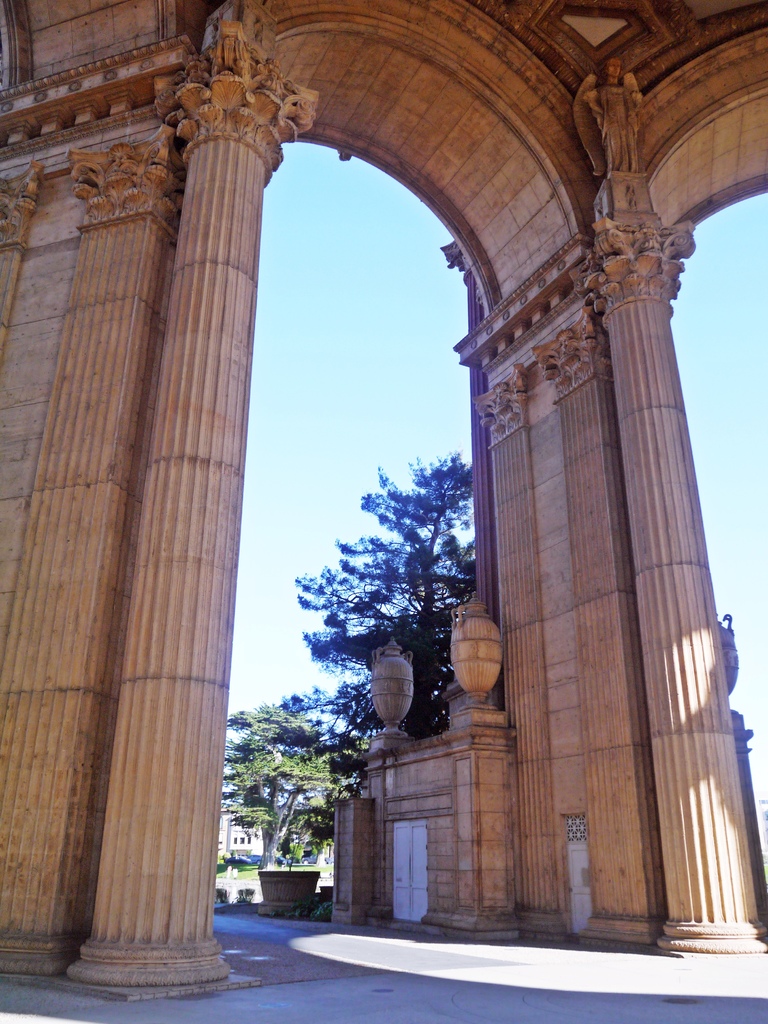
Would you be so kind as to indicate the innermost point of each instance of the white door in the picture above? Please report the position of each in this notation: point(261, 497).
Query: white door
point(581, 898)
point(410, 870)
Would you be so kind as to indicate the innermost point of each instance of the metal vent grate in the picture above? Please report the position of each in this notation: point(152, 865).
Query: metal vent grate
point(576, 828)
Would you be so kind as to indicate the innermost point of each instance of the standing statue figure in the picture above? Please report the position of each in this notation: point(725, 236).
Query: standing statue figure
point(612, 141)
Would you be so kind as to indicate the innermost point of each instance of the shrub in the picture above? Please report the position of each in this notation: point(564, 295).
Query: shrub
point(245, 896)
point(222, 895)
point(313, 908)
point(322, 912)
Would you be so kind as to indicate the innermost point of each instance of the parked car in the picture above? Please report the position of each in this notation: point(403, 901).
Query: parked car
point(235, 861)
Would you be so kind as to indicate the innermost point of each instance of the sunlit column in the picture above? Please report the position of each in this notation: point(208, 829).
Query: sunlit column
point(58, 686)
point(624, 855)
point(153, 921)
point(631, 277)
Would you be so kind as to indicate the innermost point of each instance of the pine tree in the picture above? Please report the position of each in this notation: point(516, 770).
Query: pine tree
point(402, 582)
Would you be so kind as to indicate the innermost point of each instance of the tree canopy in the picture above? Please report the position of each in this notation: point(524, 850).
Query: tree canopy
point(276, 768)
point(402, 582)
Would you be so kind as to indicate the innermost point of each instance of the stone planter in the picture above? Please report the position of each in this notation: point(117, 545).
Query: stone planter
point(281, 889)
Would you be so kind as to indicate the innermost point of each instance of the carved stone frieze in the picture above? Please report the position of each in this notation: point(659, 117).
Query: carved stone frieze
point(232, 91)
point(576, 355)
point(630, 261)
point(18, 199)
point(503, 409)
point(129, 179)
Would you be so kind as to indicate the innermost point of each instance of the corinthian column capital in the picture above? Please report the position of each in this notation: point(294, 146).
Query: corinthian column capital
point(576, 355)
point(631, 261)
point(503, 408)
point(233, 91)
point(126, 179)
point(18, 199)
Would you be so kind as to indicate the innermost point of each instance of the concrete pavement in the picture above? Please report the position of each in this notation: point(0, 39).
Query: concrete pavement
point(364, 976)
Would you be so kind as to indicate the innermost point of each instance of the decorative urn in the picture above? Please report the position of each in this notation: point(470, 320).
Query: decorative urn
point(475, 648)
point(392, 685)
point(730, 654)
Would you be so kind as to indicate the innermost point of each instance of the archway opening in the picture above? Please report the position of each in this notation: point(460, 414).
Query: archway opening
point(720, 336)
point(353, 369)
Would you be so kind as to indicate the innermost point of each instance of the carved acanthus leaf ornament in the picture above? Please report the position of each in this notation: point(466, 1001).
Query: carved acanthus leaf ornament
point(232, 91)
point(125, 179)
point(503, 408)
point(630, 261)
point(576, 355)
point(18, 199)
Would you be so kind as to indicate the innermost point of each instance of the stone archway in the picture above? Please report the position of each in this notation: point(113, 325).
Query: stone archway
point(125, 376)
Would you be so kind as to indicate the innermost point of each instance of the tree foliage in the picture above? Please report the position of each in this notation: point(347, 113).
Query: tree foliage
point(402, 582)
point(276, 768)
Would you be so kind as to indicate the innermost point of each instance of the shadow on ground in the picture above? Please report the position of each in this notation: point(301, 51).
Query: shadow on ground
point(364, 976)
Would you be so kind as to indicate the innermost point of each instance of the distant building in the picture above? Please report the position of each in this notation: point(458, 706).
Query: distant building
point(235, 839)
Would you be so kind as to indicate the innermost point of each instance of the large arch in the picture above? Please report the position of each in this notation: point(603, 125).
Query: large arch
point(707, 135)
point(125, 350)
point(393, 97)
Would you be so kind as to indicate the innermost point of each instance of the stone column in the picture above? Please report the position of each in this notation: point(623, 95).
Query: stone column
point(742, 736)
point(153, 921)
point(58, 682)
point(625, 858)
point(503, 410)
point(482, 470)
point(631, 277)
point(18, 199)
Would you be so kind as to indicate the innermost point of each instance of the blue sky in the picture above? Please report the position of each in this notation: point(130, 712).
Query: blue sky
point(354, 369)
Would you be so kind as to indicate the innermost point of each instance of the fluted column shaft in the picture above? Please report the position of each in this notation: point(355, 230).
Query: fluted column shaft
point(625, 860)
point(58, 685)
point(710, 896)
point(158, 863)
point(503, 410)
point(485, 519)
point(742, 736)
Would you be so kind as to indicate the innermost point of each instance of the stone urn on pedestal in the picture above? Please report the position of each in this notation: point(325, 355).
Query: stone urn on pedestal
point(730, 654)
point(392, 693)
point(476, 658)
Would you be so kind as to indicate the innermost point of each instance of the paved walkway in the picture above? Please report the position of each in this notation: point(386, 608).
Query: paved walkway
point(364, 976)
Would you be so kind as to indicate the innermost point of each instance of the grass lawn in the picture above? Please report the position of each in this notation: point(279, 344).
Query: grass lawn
point(252, 870)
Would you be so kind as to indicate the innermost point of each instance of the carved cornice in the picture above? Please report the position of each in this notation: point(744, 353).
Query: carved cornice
point(503, 409)
point(232, 91)
point(530, 306)
point(576, 355)
point(98, 91)
point(633, 261)
point(126, 180)
point(18, 199)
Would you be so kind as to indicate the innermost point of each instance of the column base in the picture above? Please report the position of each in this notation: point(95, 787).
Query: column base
point(738, 939)
point(640, 931)
point(547, 925)
point(45, 955)
point(129, 964)
point(480, 926)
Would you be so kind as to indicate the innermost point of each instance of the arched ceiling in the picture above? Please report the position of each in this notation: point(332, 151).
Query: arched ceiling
point(455, 123)
point(469, 102)
point(706, 138)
